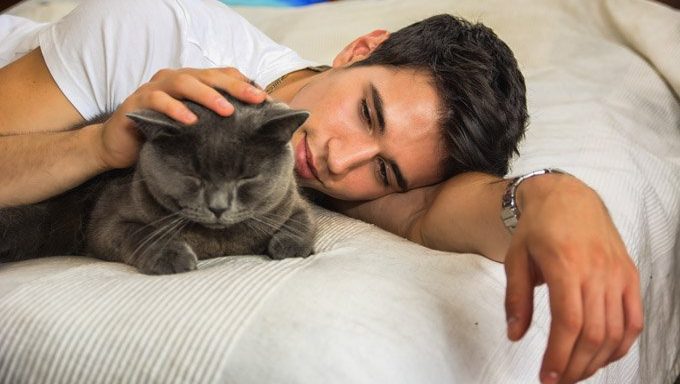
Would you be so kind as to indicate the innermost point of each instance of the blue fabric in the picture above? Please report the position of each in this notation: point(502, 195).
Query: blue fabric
point(271, 3)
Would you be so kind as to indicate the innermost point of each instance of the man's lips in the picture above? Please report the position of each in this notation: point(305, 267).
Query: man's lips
point(310, 159)
point(304, 164)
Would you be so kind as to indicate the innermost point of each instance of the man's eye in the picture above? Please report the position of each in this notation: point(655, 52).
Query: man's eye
point(382, 169)
point(365, 112)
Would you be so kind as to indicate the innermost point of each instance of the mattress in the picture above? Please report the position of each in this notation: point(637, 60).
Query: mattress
point(369, 307)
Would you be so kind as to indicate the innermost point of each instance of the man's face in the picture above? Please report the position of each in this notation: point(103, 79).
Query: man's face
point(372, 131)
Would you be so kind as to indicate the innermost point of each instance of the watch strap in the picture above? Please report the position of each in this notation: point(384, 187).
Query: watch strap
point(510, 212)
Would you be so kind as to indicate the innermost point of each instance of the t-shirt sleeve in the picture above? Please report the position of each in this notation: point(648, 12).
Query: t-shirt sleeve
point(219, 36)
point(18, 36)
point(104, 50)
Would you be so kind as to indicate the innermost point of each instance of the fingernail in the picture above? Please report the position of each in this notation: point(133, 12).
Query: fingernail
point(550, 378)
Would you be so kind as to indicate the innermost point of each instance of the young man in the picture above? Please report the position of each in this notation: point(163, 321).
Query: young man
point(434, 110)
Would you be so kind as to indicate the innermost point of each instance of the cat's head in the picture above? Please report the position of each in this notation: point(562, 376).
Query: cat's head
point(219, 170)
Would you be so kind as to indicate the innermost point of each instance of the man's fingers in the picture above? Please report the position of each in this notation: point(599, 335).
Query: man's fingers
point(632, 308)
point(187, 86)
point(519, 294)
point(567, 321)
point(593, 333)
point(199, 86)
point(233, 82)
point(232, 72)
point(162, 102)
point(614, 335)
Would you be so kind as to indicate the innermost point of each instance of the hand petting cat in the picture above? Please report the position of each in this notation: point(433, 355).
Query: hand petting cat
point(224, 185)
point(119, 142)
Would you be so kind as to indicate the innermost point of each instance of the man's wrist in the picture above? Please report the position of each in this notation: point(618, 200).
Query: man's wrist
point(510, 211)
point(90, 137)
point(537, 188)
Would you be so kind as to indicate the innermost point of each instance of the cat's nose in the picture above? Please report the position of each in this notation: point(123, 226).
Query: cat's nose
point(218, 201)
point(218, 211)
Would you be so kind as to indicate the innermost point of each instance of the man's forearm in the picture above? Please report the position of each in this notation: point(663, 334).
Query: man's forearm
point(459, 215)
point(34, 167)
point(463, 215)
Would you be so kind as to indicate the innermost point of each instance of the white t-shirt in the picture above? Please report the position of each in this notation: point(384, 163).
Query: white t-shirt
point(104, 50)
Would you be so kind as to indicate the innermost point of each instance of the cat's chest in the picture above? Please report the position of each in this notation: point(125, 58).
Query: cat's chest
point(235, 240)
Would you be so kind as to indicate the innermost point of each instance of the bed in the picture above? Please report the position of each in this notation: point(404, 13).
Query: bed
point(603, 79)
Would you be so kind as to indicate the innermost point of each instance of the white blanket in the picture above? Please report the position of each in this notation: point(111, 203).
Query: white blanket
point(603, 82)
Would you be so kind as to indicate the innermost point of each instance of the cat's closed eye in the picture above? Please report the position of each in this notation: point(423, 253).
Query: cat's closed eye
point(249, 179)
point(193, 181)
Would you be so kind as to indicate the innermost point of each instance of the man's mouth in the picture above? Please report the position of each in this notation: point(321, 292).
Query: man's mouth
point(304, 163)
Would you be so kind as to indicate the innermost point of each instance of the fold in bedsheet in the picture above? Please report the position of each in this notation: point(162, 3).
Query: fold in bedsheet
point(370, 307)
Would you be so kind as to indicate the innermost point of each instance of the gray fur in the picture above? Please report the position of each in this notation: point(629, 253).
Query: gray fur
point(223, 186)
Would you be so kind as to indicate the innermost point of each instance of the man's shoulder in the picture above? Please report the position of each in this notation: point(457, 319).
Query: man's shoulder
point(213, 20)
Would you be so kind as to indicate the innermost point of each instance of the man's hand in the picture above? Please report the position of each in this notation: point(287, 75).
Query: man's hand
point(566, 239)
point(119, 144)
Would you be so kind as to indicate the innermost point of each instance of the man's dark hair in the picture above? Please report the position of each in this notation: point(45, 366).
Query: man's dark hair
point(481, 89)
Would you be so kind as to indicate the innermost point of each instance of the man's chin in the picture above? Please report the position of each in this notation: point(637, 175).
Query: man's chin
point(316, 187)
point(306, 183)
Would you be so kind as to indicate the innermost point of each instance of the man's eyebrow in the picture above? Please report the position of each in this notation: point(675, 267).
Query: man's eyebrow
point(378, 107)
point(380, 117)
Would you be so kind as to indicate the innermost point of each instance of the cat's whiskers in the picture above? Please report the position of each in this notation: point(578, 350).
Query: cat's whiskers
point(277, 217)
point(263, 227)
point(156, 232)
point(175, 231)
point(254, 226)
point(167, 217)
point(155, 236)
point(278, 227)
point(269, 228)
point(166, 233)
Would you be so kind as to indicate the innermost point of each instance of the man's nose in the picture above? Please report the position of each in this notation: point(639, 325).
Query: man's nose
point(345, 155)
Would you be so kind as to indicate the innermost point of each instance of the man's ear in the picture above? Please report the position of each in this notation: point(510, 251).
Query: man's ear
point(360, 48)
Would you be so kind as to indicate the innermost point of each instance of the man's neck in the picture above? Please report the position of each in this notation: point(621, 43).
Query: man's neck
point(291, 85)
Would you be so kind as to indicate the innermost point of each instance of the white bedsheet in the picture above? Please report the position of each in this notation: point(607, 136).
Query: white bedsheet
point(603, 82)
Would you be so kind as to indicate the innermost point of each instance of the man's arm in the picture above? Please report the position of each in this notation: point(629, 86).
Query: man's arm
point(564, 238)
point(30, 100)
point(38, 158)
point(36, 166)
point(459, 215)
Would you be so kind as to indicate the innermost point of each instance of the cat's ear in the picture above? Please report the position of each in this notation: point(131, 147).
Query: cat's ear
point(151, 124)
point(281, 124)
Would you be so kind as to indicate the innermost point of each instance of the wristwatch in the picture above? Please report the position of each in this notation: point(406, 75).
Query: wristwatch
point(509, 210)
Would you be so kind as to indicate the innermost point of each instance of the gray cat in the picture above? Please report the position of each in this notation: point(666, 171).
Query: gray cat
point(222, 186)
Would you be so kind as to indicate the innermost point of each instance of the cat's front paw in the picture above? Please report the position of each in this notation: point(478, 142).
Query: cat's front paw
point(284, 245)
point(175, 257)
